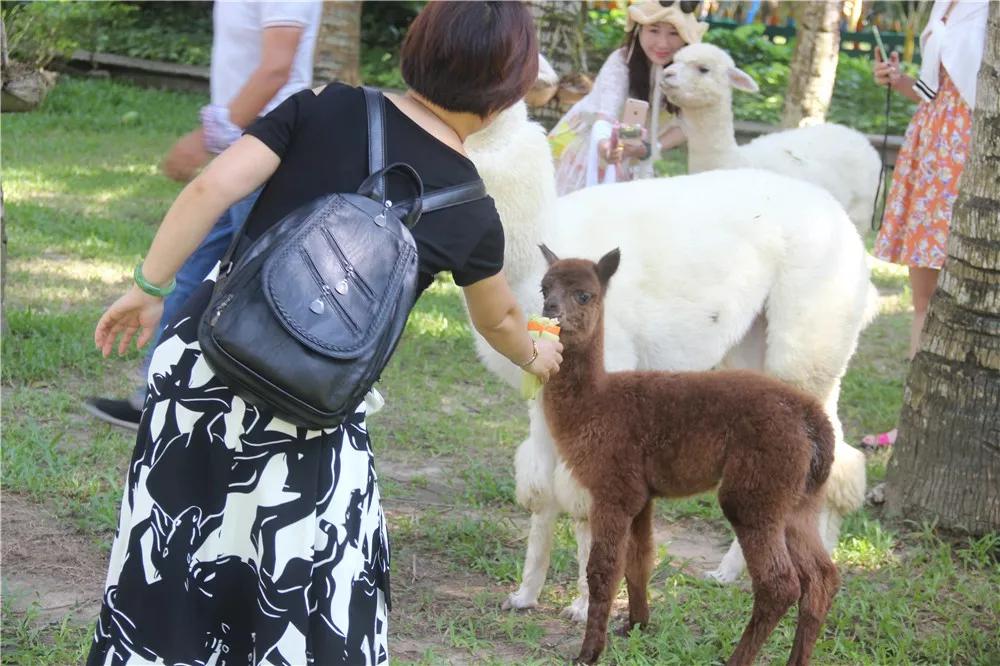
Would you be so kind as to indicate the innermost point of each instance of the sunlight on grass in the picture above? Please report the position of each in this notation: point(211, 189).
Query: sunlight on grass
point(865, 544)
point(60, 282)
point(887, 275)
point(46, 269)
point(435, 324)
point(901, 303)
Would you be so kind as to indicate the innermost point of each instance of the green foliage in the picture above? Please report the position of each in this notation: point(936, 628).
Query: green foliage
point(603, 32)
point(383, 27)
point(748, 46)
point(37, 32)
point(178, 32)
point(857, 102)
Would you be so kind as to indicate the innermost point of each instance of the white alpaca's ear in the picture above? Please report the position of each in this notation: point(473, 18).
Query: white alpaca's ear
point(550, 256)
point(608, 265)
point(741, 80)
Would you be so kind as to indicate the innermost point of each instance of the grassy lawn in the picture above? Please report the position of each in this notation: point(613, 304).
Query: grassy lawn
point(83, 196)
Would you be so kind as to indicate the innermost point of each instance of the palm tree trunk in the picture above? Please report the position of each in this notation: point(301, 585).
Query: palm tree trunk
point(814, 63)
point(3, 265)
point(338, 44)
point(946, 461)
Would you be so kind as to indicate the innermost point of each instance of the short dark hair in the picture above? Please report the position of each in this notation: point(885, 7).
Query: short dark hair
point(474, 57)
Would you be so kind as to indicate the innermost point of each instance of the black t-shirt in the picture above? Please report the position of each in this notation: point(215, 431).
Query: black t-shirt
point(322, 140)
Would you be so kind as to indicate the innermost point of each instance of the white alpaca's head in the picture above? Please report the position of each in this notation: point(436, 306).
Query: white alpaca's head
point(702, 76)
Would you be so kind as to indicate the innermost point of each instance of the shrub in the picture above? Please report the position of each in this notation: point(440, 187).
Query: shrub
point(38, 32)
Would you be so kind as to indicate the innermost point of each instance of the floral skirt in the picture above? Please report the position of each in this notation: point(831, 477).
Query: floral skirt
point(242, 538)
point(925, 183)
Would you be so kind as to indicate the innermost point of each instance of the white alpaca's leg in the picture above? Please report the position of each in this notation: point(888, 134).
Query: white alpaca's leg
point(536, 560)
point(731, 567)
point(575, 499)
point(845, 487)
point(829, 527)
point(577, 610)
point(534, 466)
point(746, 354)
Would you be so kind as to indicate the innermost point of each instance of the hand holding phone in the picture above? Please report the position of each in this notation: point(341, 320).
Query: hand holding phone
point(634, 114)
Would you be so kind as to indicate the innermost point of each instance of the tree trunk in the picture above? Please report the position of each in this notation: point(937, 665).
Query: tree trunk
point(560, 38)
point(814, 64)
point(338, 44)
point(946, 461)
point(3, 265)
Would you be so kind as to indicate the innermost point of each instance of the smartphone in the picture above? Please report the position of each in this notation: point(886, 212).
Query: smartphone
point(635, 112)
point(880, 44)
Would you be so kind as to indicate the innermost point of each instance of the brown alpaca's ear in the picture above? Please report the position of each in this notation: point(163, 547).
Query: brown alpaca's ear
point(608, 265)
point(549, 255)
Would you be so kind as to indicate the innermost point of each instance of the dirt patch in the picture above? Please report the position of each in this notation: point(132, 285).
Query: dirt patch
point(694, 547)
point(443, 612)
point(47, 564)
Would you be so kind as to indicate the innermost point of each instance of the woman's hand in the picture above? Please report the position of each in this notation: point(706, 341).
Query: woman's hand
point(624, 149)
point(607, 154)
point(546, 364)
point(135, 311)
point(887, 73)
point(634, 149)
point(186, 157)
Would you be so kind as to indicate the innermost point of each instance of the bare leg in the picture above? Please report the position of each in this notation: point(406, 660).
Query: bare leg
point(923, 281)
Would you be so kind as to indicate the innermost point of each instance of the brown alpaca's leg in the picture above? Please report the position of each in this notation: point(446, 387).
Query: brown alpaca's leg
point(604, 572)
point(818, 578)
point(639, 566)
point(775, 586)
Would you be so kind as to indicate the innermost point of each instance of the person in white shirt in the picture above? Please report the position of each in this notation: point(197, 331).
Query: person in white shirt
point(262, 53)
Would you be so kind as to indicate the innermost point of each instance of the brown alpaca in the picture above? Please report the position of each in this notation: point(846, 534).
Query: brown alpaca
point(631, 436)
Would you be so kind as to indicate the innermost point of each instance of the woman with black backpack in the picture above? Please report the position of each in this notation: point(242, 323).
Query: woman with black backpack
point(245, 537)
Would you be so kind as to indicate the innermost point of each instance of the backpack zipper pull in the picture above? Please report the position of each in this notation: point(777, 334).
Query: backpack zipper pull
point(218, 310)
point(380, 218)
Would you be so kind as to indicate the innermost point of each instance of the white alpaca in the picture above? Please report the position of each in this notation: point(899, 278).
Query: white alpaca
point(730, 268)
point(836, 158)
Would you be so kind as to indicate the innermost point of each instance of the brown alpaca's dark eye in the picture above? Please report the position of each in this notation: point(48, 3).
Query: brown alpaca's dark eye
point(582, 297)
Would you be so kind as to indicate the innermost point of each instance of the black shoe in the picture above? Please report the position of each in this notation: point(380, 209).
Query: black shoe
point(118, 412)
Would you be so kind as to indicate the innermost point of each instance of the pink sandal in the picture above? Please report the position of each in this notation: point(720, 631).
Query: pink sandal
point(883, 440)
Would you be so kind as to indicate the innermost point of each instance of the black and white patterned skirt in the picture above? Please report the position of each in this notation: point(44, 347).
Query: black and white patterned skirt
point(242, 538)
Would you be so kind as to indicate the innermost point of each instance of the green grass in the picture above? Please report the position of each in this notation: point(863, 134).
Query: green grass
point(83, 196)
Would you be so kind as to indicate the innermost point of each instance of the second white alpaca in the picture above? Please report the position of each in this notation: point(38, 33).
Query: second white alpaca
point(730, 269)
point(837, 158)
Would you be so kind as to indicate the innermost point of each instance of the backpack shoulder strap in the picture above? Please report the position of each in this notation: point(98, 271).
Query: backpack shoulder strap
point(374, 105)
point(455, 195)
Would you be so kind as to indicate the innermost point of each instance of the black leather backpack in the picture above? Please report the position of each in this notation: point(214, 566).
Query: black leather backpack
point(305, 318)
